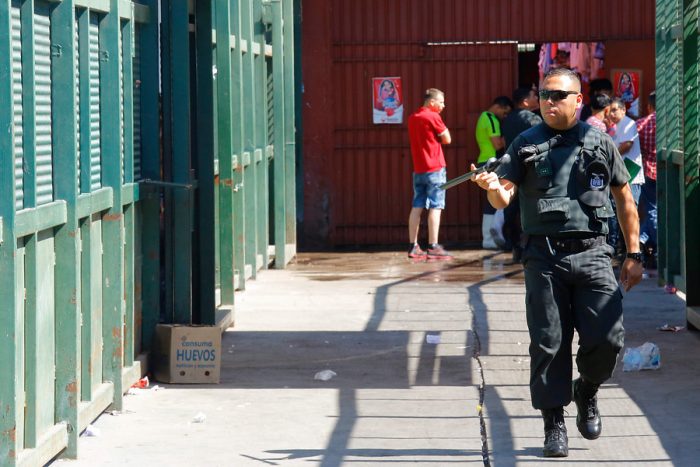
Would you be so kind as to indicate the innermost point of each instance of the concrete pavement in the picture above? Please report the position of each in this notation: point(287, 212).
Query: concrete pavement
point(398, 397)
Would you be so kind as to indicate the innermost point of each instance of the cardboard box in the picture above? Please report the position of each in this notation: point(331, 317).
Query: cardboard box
point(187, 354)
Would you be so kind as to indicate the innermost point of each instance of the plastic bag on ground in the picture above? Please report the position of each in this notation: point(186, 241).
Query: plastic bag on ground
point(644, 357)
point(325, 375)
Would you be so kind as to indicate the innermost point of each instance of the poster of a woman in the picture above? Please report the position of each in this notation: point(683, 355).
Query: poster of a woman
point(387, 100)
point(627, 87)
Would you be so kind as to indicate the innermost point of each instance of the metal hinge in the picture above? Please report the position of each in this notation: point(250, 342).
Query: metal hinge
point(676, 31)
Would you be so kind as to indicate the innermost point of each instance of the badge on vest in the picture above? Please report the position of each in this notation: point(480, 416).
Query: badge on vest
point(597, 181)
point(593, 179)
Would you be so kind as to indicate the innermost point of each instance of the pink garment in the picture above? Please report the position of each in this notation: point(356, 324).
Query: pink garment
point(580, 59)
point(595, 122)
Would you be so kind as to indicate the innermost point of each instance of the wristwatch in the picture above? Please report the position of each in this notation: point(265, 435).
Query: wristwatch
point(635, 256)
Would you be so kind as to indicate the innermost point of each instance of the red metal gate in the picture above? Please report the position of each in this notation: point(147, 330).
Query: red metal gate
point(372, 163)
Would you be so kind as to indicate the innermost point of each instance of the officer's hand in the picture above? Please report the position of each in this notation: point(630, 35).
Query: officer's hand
point(630, 273)
point(487, 180)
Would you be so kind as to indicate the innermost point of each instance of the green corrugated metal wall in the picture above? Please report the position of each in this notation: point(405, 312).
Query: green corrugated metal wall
point(677, 148)
point(66, 349)
point(108, 233)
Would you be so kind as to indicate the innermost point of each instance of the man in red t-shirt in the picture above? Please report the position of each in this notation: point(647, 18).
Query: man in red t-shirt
point(428, 133)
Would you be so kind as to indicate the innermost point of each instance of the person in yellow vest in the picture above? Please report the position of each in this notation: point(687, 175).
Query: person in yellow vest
point(491, 143)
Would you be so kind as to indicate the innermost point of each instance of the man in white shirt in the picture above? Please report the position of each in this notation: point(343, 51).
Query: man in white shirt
point(626, 139)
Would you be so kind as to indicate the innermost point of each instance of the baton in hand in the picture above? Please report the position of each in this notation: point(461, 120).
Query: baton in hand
point(490, 165)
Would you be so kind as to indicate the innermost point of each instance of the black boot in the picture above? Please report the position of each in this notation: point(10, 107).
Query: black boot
point(556, 442)
point(588, 418)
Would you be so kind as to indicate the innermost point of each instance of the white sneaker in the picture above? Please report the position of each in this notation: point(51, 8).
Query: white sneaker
point(489, 244)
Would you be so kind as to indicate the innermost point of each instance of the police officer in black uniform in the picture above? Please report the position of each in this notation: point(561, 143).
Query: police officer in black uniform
point(564, 171)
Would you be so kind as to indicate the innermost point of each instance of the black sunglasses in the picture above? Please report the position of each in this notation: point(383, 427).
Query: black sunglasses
point(555, 95)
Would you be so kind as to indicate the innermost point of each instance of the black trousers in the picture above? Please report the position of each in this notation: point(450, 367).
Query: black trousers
point(567, 291)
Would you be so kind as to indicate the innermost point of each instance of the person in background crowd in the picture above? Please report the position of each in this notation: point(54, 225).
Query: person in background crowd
point(626, 139)
point(427, 133)
point(600, 112)
point(522, 118)
point(491, 143)
point(646, 127)
point(596, 86)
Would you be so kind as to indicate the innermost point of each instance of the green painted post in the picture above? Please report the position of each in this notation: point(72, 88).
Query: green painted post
point(664, 44)
point(90, 297)
point(674, 168)
point(238, 119)
point(150, 169)
point(298, 121)
point(11, 324)
point(68, 342)
point(182, 199)
point(250, 139)
point(289, 127)
point(166, 52)
point(32, 351)
point(87, 294)
point(260, 158)
point(662, 82)
point(279, 164)
point(127, 111)
point(205, 165)
point(113, 220)
point(225, 148)
point(691, 182)
point(674, 196)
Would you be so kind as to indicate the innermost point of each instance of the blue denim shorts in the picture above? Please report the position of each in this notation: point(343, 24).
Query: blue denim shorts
point(426, 191)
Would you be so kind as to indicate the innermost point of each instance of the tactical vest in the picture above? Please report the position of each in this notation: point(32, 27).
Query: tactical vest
point(566, 186)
